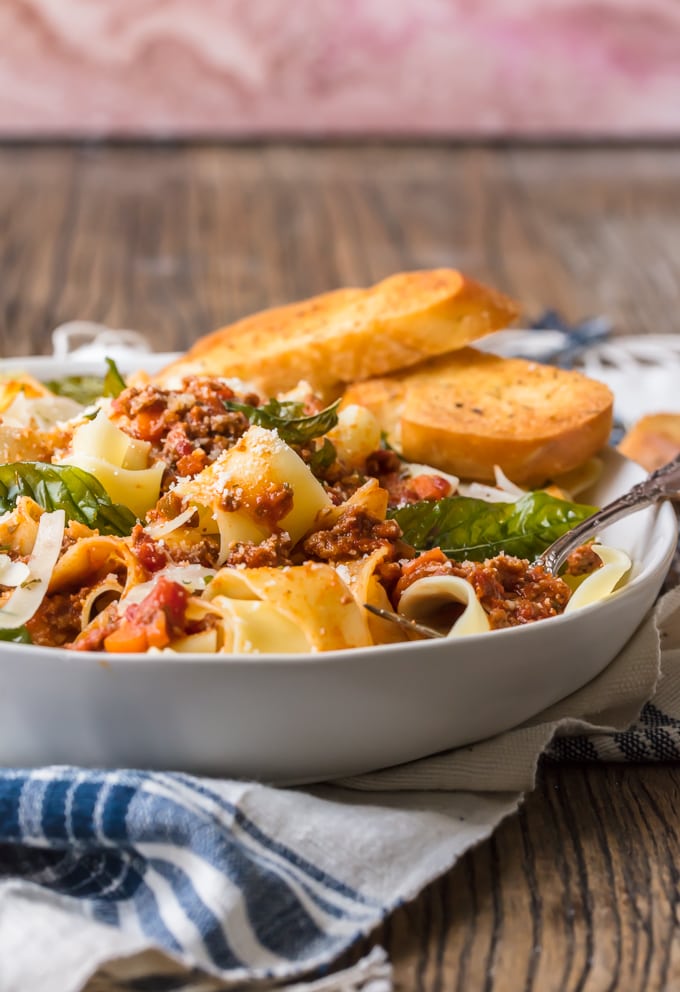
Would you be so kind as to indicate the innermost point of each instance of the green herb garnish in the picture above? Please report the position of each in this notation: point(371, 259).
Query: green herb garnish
point(83, 389)
point(288, 419)
point(473, 529)
point(65, 487)
point(323, 457)
point(114, 383)
point(17, 635)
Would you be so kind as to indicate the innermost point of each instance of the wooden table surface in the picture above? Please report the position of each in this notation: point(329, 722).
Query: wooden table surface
point(581, 889)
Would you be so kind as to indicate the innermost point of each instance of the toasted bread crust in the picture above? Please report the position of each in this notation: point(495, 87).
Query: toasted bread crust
point(350, 334)
point(653, 440)
point(468, 411)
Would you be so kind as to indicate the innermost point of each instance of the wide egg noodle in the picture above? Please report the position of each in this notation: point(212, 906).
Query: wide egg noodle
point(251, 626)
point(137, 490)
point(237, 527)
point(367, 589)
point(208, 641)
point(248, 625)
point(100, 438)
point(355, 436)
point(426, 598)
point(91, 559)
point(104, 592)
point(203, 642)
point(258, 463)
point(369, 497)
point(308, 606)
point(118, 461)
point(601, 583)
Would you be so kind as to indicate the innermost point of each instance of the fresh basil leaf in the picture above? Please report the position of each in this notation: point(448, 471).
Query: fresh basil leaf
point(114, 383)
point(472, 529)
point(17, 635)
point(84, 389)
point(323, 457)
point(288, 419)
point(65, 487)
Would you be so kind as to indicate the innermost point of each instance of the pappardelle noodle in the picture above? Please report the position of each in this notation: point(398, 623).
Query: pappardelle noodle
point(203, 518)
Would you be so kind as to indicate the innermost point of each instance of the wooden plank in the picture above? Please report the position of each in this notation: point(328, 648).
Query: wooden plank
point(175, 242)
point(578, 891)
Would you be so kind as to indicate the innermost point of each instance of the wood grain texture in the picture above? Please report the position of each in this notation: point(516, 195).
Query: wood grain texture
point(178, 242)
point(580, 890)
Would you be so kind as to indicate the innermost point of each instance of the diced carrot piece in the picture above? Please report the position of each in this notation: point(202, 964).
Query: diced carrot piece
point(126, 639)
point(156, 631)
point(150, 424)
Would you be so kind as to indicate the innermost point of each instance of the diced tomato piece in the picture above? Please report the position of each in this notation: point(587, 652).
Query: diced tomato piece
point(150, 554)
point(428, 487)
point(152, 623)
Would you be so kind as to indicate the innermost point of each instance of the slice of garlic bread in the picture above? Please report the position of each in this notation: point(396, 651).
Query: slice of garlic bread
point(467, 411)
point(349, 334)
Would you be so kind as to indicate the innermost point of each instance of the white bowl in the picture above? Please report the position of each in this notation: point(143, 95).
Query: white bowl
point(288, 718)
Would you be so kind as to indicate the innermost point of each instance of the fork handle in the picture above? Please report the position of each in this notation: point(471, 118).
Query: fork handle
point(664, 483)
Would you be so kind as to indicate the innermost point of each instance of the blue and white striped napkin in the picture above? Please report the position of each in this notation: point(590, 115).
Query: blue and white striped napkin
point(232, 880)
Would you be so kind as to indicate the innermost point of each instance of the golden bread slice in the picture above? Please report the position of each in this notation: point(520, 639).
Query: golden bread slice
point(653, 440)
point(349, 334)
point(468, 411)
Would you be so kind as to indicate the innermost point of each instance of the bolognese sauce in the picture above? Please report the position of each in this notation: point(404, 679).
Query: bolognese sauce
point(187, 428)
point(512, 591)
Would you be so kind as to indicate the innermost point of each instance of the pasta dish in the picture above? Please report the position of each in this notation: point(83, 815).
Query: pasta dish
point(199, 516)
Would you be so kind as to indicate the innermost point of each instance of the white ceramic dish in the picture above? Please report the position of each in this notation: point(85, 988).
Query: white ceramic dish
point(284, 718)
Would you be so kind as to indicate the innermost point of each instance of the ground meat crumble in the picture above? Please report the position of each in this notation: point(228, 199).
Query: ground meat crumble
point(187, 428)
point(271, 553)
point(512, 591)
point(355, 533)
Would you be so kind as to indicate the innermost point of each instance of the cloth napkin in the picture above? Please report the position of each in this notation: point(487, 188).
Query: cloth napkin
point(131, 880)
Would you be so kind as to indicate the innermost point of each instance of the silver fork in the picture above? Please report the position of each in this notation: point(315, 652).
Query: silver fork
point(662, 484)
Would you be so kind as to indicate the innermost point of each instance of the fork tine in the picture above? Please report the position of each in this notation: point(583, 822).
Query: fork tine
point(405, 622)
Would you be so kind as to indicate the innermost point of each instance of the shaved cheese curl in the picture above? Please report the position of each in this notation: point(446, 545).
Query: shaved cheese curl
point(26, 598)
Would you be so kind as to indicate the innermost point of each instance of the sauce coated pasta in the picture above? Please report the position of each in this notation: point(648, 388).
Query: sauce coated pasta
point(197, 518)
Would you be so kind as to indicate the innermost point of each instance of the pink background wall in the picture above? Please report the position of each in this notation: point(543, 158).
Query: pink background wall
point(242, 67)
